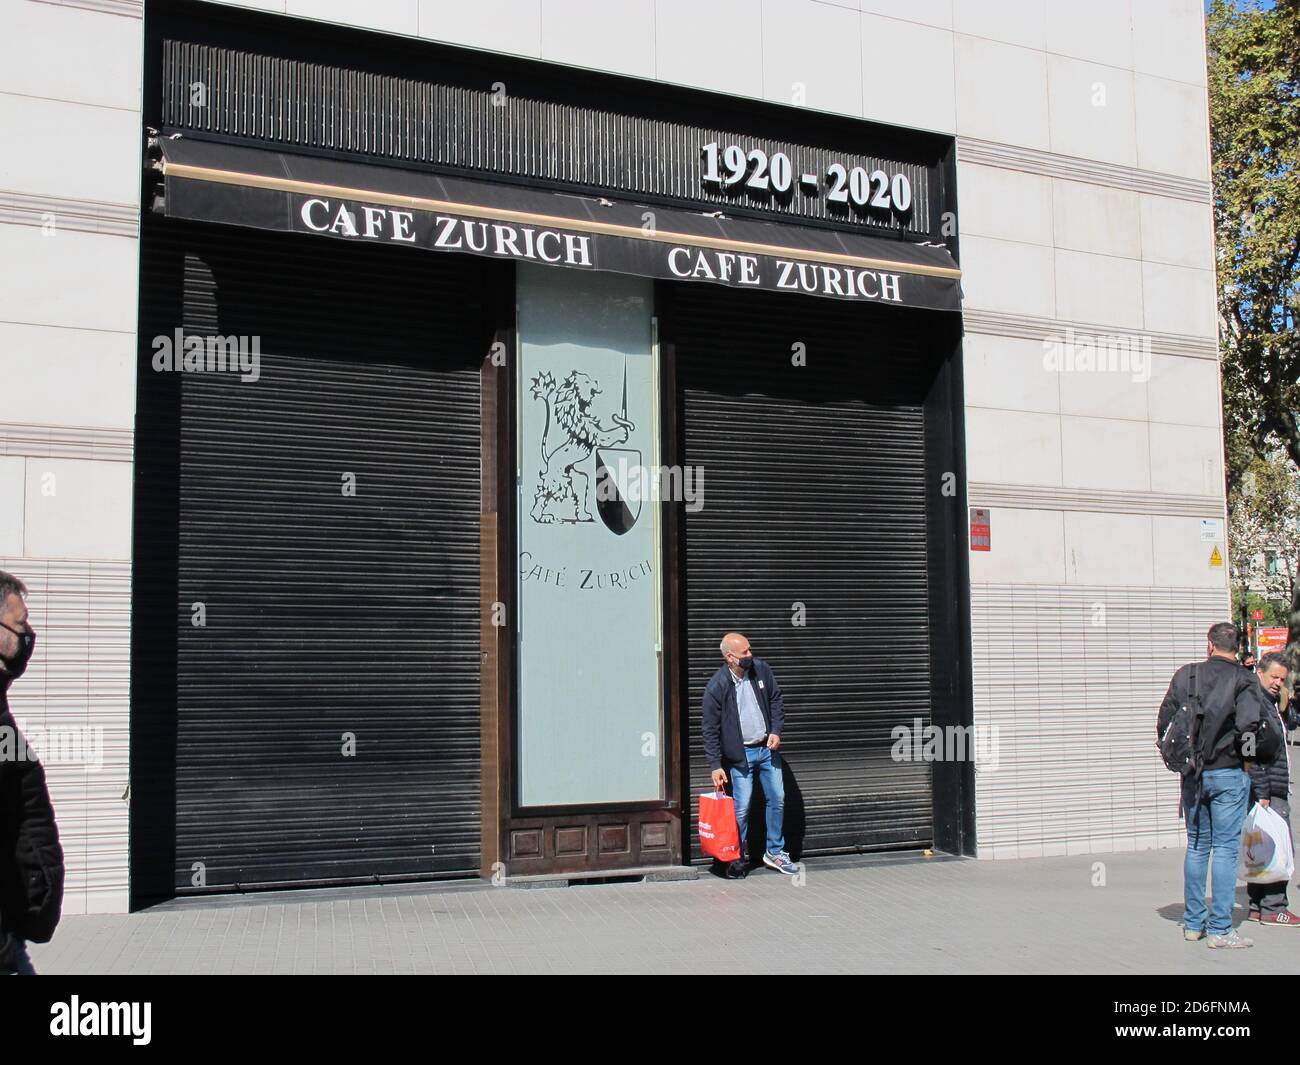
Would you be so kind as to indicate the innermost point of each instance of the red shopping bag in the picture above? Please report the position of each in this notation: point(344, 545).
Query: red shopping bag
point(719, 834)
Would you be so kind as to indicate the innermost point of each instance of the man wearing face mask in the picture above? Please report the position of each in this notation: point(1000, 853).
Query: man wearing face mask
point(1270, 785)
point(31, 859)
point(742, 724)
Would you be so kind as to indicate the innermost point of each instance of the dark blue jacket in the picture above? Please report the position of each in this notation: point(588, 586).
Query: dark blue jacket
point(722, 742)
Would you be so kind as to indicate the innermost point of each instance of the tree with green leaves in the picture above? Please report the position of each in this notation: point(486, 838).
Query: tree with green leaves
point(1254, 95)
point(1265, 530)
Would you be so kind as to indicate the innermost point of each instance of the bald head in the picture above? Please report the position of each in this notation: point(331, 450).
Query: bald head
point(734, 643)
point(735, 650)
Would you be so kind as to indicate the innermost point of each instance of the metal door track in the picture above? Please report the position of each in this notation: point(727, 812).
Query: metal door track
point(649, 875)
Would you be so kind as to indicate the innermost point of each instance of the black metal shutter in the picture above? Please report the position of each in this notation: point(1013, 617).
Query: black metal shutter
point(813, 495)
point(328, 615)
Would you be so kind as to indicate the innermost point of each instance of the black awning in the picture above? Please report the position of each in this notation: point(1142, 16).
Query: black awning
point(211, 182)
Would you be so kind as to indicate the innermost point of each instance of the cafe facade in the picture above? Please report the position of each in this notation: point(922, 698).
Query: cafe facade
point(476, 395)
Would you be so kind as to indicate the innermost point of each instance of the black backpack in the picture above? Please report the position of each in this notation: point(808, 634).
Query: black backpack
point(1180, 742)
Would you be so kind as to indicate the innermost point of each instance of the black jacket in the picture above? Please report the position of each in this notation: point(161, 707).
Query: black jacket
point(721, 725)
point(1271, 778)
point(31, 859)
point(1233, 700)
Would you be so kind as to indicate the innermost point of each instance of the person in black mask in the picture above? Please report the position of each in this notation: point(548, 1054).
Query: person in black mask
point(744, 715)
point(31, 858)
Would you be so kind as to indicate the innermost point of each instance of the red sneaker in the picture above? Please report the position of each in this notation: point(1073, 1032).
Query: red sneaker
point(1286, 917)
point(1253, 915)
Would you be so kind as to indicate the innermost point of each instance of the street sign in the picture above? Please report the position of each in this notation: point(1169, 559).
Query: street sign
point(980, 539)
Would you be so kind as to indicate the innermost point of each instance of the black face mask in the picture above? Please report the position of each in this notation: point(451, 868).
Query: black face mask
point(746, 663)
point(17, 665)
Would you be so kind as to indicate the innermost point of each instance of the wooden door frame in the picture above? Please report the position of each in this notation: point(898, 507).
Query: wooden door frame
point(572, 839)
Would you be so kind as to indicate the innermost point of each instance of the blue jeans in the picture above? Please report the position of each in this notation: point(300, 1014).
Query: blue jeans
point(1214, 822)
point(768, 763)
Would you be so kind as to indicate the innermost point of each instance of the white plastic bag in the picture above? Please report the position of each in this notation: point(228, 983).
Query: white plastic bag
point(1267, 855)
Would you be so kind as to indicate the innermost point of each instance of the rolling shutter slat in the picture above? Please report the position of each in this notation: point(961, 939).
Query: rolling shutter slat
point(814, 494)
point(326, 614)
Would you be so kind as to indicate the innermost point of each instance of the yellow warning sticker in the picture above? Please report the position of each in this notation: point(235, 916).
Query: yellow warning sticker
point(1216, 559)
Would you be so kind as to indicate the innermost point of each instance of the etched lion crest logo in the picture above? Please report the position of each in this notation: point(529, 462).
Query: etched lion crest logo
point(571, 434)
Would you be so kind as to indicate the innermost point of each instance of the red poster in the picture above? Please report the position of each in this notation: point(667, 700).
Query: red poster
point(1272, 640)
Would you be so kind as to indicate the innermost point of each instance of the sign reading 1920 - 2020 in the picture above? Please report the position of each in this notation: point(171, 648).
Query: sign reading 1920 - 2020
point(778, 177)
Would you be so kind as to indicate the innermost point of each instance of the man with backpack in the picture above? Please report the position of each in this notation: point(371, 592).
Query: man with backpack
point(1208, 727)
point(1270, 780)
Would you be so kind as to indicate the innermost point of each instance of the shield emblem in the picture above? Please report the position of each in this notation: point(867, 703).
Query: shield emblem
point(620, 487)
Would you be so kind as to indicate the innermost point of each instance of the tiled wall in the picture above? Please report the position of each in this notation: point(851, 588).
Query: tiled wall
point(1067, 680)
point(73, 705)
point(1093, 216)
point(69, 175)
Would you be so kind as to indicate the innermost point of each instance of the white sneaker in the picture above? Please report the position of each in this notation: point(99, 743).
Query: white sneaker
point(1231, 941)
